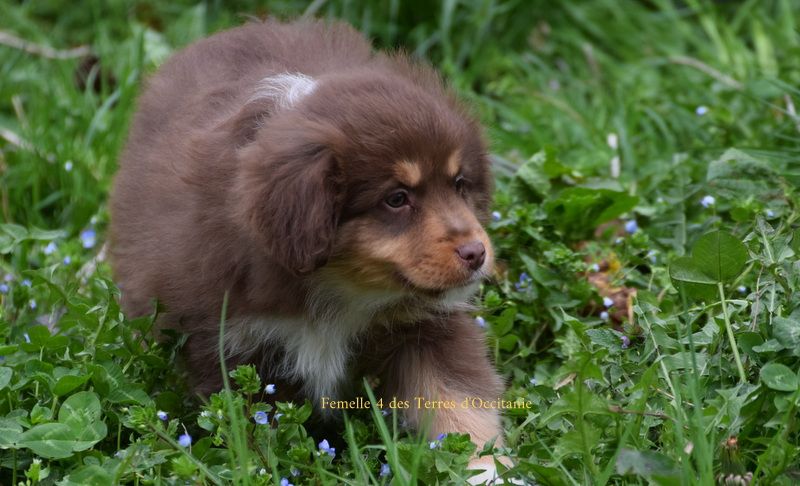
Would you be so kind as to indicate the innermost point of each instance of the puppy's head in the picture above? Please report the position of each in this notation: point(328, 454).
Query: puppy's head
point(382, 179)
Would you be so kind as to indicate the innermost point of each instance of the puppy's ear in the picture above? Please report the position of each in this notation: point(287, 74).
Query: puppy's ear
point(289, 192)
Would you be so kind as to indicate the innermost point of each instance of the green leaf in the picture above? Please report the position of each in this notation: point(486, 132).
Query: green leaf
point(92, 475)
point(786, 331)
point(684, 269)
point(5, 377)
point(716, 257)
point(10, 431)
point(736, 173)
point(779, 377)
point(67, 383)
point(82, 412)
point(720, 256)
point(52, 441)
point(647, 464)
point(577, 211)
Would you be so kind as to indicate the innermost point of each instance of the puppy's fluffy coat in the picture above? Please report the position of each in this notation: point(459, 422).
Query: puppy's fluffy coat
point(336, 194)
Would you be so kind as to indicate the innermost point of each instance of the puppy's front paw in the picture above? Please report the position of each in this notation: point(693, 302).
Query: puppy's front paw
point(488, 474)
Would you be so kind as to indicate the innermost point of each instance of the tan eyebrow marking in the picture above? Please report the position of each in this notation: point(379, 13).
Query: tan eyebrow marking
point(408, 173)
point(453, 164)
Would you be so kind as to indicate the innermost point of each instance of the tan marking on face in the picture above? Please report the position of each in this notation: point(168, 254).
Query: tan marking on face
point(454, 164)
point(408, 173)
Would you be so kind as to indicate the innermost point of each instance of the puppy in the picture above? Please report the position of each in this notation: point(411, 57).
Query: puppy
point(336, 195)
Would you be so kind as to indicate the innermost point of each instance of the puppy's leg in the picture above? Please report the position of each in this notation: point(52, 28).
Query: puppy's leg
point(444, 366)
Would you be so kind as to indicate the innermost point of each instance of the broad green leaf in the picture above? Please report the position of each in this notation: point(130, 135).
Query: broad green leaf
point(684, 269)
point(736, 173)
point(10, 431)
point(787, 332)
point(67, 383)
point(5, 376)
point(720, 256)
point(92, 475)
point(53, 441)
point(81, 412)
point(577, 211)
point(779, 377)
point(80, 408)
point(647, 464)
point(503, 324)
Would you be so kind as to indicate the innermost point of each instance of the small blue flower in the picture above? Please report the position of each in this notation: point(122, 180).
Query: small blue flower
point(88, 238)
point(594, 267)
point(533, 381)
point(707, 201)
point(742, 289)
point(631, 226)
point(480, 321)
point(27, 283)
point(385, 412)
point(441, 436)
point(604, 315)
point(701, 110)
point(67, 260)
point(326, 448)
point(162, 415)
point(285, 482)
point(3, 288)
point(269, 389)
point(769, 213)
point(261, 418)
point(8, 277)
point(626, 342)
point(278, 416)
point(185, 440)
point(26, 337)
point(32, 304)
point(496, 216)
point(50, 248)
point(608, 302)
point(385, 470)
point(68, 165)
point(652, 256)
point(434, 444)
point(524, 280)
point(294, 471)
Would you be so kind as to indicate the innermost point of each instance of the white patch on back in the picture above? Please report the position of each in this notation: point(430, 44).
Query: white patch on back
point(285, 89)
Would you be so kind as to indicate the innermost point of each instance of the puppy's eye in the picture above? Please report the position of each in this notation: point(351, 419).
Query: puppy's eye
point(397, 199)
point(460, 183)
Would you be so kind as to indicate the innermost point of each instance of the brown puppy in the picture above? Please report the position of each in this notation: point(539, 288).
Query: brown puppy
point(336, 194)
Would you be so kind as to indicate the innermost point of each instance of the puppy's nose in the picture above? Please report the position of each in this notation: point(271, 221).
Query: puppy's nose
point(472, 254)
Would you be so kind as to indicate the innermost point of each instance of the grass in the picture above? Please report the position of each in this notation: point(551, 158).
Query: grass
point(611, 125)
